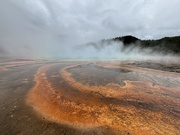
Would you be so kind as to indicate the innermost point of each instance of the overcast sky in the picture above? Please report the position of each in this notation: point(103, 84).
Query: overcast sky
point(51, 27)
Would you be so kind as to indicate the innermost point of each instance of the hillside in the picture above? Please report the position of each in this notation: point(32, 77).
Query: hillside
point(166, 44)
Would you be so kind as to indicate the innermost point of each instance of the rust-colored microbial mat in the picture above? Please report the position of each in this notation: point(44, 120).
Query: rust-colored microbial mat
point(126, 97)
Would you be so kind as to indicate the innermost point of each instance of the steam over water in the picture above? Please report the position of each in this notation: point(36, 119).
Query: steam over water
point(52, 29)
point(116, 50)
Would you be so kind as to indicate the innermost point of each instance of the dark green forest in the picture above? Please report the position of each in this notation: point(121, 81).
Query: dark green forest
point(165, 45)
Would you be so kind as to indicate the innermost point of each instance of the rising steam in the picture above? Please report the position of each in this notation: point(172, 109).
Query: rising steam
point(54, 29)
point(117, 50)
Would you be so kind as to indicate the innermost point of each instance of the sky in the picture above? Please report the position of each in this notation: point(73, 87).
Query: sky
point(50, 28)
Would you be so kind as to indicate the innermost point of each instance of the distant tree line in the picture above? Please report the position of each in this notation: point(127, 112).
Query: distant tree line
point(166, 44)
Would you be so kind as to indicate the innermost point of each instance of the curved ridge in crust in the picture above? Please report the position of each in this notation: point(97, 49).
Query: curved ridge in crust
point(129, 108)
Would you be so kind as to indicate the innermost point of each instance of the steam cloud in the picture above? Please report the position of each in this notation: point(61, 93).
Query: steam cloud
point(117, 51)
point(53, 28)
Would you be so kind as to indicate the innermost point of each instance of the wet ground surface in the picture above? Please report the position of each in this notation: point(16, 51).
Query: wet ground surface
point(95, 75)
point(158, 66)
point(89, 98)
point(92, 74)
point(16, 117)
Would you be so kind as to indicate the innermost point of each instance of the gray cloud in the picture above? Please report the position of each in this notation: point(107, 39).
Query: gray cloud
point(49, 28)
